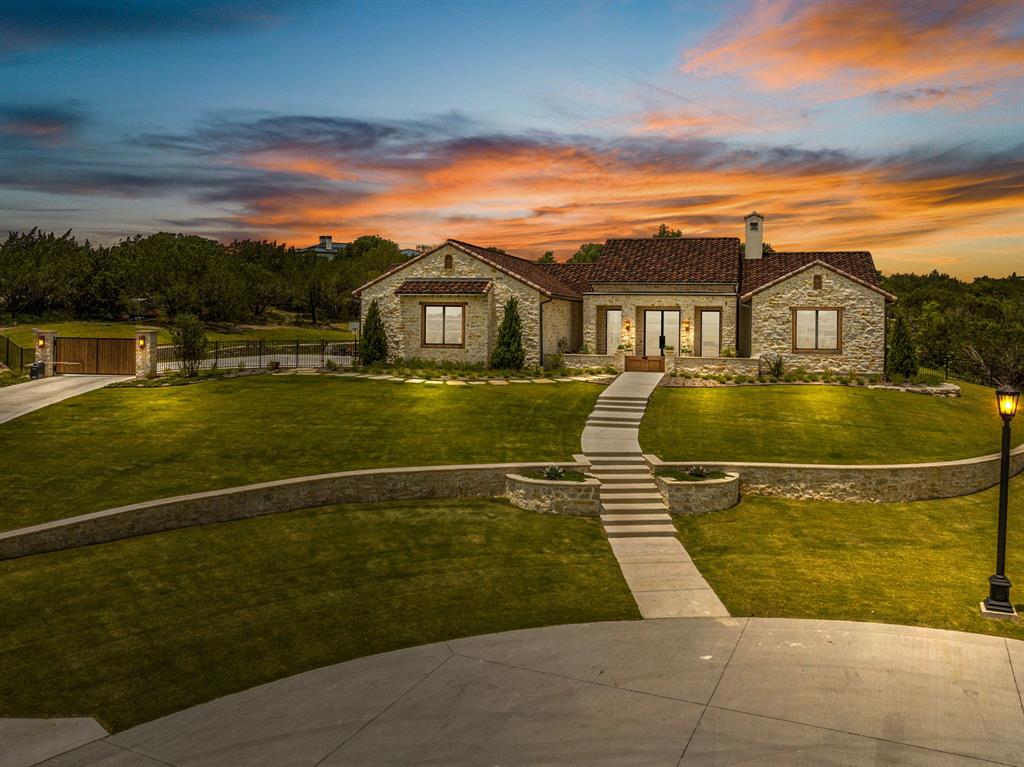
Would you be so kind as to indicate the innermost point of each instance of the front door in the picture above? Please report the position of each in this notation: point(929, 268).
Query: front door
point(661, 329)
point(710, 332)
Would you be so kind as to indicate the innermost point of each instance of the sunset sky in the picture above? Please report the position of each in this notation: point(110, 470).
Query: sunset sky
point(892, 127)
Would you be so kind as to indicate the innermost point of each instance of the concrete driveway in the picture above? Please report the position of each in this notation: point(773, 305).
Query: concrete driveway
point(25, 397)
point(689, 691)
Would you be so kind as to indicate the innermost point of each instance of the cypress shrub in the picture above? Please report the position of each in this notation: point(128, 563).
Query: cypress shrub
point(508, 351)
point(902, 360)
point(373, 346)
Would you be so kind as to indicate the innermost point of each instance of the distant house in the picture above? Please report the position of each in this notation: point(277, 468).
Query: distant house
point(410, 252)
point(645, 302)
point(327, 247)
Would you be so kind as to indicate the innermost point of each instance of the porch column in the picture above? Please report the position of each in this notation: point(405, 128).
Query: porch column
point(145, 353)
point(45, 341)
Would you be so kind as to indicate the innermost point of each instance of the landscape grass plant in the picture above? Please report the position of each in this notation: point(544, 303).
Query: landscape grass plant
point(924, 563)
point(819, 424)
point(132, 630)
point(117, 446)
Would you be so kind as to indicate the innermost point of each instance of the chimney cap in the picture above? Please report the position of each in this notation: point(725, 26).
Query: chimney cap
point(753, 214)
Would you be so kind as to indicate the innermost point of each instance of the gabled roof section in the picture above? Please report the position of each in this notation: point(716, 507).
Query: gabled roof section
point(449, 287)
point(773, 268)
point(528, 272)
point(580, 277)
point(669, 260)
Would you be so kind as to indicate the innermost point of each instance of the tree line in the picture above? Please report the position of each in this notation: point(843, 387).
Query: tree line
point(951, 321)
point(53, 275)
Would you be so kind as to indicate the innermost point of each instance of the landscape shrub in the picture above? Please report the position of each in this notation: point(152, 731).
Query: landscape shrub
point(902, 359)
point(508, 348)
point(690, 474)
point(554, 472)
point(772, 365)
point(566, 475)
point(897, 378)
point(373, 345)
point(188, 334)
point(728, 351)
point(927, 378)
point(563, 345)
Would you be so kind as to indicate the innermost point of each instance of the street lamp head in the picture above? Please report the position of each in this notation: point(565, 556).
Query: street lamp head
point(1007, 399)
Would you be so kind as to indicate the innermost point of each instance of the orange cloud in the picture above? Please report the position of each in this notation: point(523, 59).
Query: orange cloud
point(841, 50)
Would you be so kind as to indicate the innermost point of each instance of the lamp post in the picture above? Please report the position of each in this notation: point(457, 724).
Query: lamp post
point(998, 603)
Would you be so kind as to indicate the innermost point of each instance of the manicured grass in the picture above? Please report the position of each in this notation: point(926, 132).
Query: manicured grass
point(9, 377)
point(819, 424)
point(22, 334)
point(133, 630)
point(116, 446)
point(922, 564)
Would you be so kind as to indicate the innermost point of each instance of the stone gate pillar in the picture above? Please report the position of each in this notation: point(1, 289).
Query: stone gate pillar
point(45, 341)
point(145, 353)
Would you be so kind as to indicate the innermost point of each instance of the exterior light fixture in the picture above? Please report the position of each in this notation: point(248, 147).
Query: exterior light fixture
point(628, 325)
point(142, 342)
point(686, 325)
point(998, 604)
point(41, 341)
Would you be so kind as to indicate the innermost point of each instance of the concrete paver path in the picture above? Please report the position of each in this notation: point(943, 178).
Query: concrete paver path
point(660, 574)
point(691, 691)
point(25, 397)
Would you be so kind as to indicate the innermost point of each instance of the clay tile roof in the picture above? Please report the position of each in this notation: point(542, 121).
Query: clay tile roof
point(759, 272)
point(680, 259)
point(577, 276)
point(443, 287)
point(530, 272)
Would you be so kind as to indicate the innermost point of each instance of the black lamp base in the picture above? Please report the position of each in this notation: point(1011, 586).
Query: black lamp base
point(998, 603)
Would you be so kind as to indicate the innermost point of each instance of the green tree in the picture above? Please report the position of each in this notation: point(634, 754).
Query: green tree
point(547, 258)
point(588, 252)
point(902, 358)
point(190, 343)
point(373, 345)
point(664, 233)
point(508, 353)
point(766, 248)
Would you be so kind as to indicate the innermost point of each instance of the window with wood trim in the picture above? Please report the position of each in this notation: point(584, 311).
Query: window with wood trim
point(817, 282)
point(447, 260)
point(443, 324)
point(817, 330)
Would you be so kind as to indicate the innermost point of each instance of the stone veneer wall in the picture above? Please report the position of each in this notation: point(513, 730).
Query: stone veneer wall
point(471, 481)
point(863, 322)
point(714, 365)
point(478, 315)
point(633, 305)
point(404, 341)
point(594, 360)
point(562, 319)
point(700, 497)
point(574, 499)
point(869, 483)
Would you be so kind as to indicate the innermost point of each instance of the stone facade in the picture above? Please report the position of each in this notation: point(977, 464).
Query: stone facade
point(862, 344)
point(401, 317)
point(868, 483)
point(145, 353)
point(634, 300)
point(616, 361)
point(713, 366)
point(562, 319)
point(45, 352)
point(699, 497)
point(574, 499)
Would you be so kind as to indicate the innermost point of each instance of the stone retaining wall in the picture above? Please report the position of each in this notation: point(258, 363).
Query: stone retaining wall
point(594, 360)
point(714, 366)
point(470, 481)
point(574, 499)
point(700, 497)
point(868, 483)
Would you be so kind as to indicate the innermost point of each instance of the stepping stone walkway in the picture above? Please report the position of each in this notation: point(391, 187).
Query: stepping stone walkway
point(663, 579)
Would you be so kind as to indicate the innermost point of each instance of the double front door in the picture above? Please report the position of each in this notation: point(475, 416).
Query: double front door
point(661, 329)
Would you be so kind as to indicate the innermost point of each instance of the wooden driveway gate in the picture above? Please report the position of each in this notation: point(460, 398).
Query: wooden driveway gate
point(655, 364)
point(95, 356)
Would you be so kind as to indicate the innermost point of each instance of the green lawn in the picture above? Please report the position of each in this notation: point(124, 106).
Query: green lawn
point(123, 445)
point(924, 563)
point(819, 424)
point(132, 630)
point(23, 336)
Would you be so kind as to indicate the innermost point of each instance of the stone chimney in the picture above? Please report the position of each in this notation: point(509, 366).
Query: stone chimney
point(753, 234)
point(325, 242)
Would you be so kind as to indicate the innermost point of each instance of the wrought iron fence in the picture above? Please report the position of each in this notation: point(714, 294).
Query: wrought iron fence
point(266, 353)
point(17, 358)
point(973, 371)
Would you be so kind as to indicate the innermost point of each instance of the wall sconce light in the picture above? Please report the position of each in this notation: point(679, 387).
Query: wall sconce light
point(627, 325)
point(142, 342)
point(41, 341)
point(686, 325)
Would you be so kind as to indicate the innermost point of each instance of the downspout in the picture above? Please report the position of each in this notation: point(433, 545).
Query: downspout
point(540, 351)
point(739, 286)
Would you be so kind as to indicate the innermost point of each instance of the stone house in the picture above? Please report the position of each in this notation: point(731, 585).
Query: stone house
point(645, 304)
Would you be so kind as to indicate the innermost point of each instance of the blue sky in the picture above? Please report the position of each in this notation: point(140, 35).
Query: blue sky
point(889, 126)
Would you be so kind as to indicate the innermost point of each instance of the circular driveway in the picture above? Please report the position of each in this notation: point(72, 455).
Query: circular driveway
point(690, 691)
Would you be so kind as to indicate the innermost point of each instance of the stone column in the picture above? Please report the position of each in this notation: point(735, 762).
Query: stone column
point(45, 341)
point(145, 353)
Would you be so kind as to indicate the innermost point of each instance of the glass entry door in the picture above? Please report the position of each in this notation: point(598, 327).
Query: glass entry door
point(661, 329)
point(710, 332)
